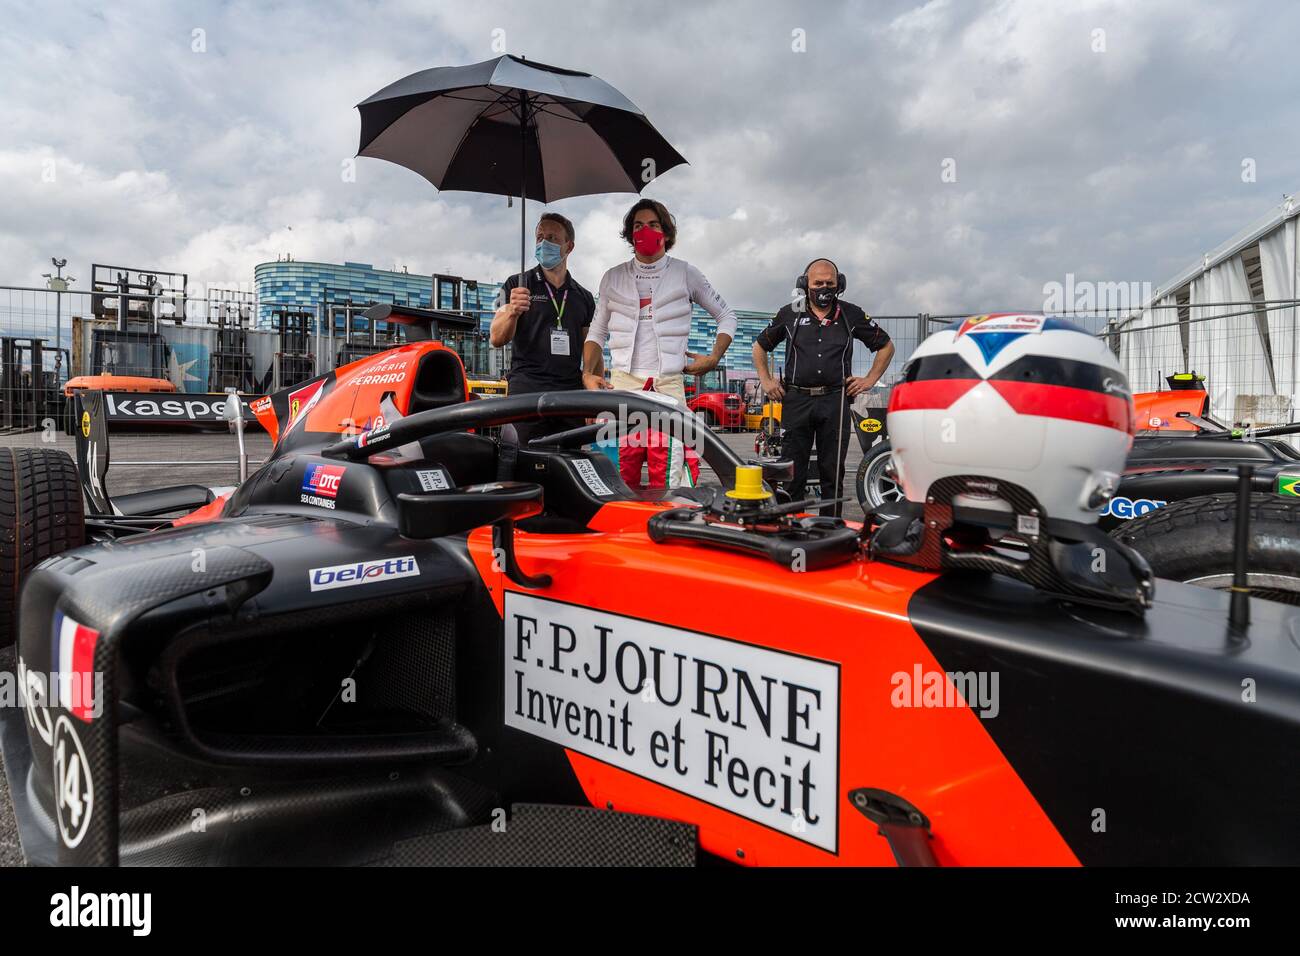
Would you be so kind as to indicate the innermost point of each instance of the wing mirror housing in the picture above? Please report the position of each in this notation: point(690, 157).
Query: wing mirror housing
point(233, 412)
point(466, 508)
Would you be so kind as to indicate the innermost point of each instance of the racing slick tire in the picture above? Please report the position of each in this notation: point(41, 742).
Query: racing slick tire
point(874, 486)
point(41, 515)
point(1191, 541)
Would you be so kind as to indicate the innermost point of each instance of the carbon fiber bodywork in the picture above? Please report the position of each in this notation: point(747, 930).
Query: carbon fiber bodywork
point(221, 751)
point(295, 668)
point(1140, 736)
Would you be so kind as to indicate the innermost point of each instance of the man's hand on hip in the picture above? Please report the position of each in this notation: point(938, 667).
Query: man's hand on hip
point(856, 385)
point(773, 389)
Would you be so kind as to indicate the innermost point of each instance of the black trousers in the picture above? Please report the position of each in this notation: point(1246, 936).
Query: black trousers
point(823, 420)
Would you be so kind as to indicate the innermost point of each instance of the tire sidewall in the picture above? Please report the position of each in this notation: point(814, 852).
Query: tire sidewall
point(860, 481)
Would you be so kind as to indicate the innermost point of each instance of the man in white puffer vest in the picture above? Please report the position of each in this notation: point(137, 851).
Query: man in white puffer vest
point(643, 309)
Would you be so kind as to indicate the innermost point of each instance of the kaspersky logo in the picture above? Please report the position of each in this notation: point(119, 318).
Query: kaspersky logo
point(1288, 486)
point(363, 572)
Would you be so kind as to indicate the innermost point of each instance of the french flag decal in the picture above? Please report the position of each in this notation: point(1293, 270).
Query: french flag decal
point(73, 659)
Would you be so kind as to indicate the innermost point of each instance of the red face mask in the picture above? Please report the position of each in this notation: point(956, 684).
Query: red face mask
point(647, 241)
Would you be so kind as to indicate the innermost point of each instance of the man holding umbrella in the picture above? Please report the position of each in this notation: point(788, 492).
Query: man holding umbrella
point(515, 127)
point(546, 318)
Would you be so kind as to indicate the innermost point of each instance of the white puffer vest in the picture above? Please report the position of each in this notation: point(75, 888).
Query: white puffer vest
point(671, 308)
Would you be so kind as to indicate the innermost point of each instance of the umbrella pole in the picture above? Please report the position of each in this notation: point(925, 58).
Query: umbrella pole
point(523, 185)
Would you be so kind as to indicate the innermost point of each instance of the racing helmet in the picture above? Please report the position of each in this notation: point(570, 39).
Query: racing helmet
point(1030, 400)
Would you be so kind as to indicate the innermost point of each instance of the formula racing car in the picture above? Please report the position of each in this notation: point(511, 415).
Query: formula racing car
point(401, 640)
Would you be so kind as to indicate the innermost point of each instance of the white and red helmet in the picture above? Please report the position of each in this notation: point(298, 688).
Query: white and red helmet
point(1028, 399)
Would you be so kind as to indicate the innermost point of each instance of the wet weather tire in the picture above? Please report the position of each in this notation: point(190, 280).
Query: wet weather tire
point(1191, 541)
point(41, 515)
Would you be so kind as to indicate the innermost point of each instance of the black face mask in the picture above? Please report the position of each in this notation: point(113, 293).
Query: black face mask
point(823, 298)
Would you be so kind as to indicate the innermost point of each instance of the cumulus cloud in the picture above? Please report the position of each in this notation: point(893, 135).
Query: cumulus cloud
point(1103, 139)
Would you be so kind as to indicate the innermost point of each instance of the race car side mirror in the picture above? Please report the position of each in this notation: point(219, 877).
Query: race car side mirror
point(233, 412)
point(466, 508)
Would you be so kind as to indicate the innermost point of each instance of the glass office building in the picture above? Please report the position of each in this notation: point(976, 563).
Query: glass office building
point(317, 285)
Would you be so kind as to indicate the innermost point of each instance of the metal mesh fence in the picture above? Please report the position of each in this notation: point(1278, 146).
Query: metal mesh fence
point(1248, 351)
point(189, 344)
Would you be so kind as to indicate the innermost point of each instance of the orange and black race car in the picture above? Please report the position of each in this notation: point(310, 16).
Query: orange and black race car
point(402, 641)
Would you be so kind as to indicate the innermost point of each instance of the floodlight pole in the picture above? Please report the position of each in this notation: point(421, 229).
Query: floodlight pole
point(58, 285)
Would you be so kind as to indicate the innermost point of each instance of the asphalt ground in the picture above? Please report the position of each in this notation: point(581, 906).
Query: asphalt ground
point(141, 462)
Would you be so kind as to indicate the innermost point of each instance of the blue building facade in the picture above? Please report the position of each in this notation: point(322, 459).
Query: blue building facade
point(316, 285)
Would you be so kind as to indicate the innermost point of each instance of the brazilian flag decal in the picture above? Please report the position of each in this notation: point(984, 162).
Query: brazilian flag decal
point(1288, 485)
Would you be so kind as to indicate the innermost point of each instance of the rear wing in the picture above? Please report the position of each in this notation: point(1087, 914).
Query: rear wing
point(93, 412)
point(422, 325)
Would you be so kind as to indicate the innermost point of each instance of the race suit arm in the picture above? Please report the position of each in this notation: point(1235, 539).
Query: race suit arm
point(703, 294)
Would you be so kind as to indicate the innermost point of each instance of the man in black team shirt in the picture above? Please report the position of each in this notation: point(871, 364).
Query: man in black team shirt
point(547, 320)
point(818, 386)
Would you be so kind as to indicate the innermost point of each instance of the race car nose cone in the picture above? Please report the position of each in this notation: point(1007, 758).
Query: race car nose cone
point(749, 484)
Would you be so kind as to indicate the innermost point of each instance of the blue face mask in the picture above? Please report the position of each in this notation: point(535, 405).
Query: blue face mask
point(549, 254)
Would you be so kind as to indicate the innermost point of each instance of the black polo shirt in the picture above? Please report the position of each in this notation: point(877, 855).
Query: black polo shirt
point(821, 353)
point(533, 366)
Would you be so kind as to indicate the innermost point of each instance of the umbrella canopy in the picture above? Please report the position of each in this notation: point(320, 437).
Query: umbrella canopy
point(512, 127)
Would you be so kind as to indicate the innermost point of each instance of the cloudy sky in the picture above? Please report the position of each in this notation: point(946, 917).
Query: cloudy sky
point(1100, 139)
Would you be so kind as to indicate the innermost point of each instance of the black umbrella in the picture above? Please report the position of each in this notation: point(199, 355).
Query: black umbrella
point(511, 127)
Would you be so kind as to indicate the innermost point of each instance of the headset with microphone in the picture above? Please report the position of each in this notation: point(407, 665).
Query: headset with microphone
point(841, 283)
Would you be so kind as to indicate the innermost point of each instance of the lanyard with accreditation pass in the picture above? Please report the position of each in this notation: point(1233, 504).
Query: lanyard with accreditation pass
point(559, 309)
point(559, 337)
